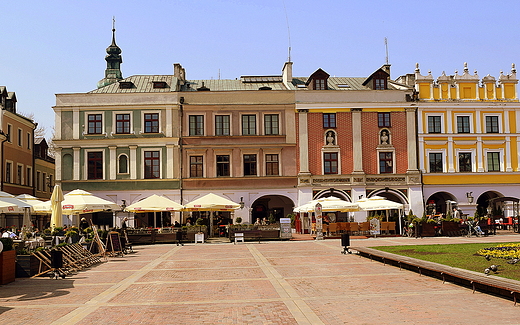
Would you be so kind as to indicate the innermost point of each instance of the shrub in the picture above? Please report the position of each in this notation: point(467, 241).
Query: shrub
point(8, 243)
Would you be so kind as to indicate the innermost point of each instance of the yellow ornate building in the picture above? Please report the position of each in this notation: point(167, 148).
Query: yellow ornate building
point(468, 139)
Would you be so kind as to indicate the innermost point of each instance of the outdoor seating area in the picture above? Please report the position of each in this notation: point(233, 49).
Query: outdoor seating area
point(335, 229)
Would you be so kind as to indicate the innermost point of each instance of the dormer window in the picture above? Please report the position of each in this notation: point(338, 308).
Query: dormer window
point(320, 84)
point(125, 85)
point(159, 84)
point(379, 84)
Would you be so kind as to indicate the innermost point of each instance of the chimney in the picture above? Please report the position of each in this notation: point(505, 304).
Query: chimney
point(287, 74)
point(179, 72)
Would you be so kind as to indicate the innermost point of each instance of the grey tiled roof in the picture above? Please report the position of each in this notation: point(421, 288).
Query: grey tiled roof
point(141, 84)
point(144, 84)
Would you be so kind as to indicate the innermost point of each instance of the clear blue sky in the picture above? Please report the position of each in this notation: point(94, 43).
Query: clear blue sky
point(51, 47)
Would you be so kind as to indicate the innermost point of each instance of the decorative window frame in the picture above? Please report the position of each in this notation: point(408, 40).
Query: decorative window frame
point(272, 151)
point(197, 152)
point(85, 167)
point(443, 122)
point(19, 136)
point(444, 162)
point(259, 160)
point(325, 138)
point(85, 123)
point(473, 159)
point(127, 164)
point(214, 119)
point(500, 122)
point(471, 126)
point(160, 131)
point(263, 115)
point(132, 130)
point(330, 149)
point(257, 130)
point(223, 152)
point(388, 149)
point(22, 174)
point(160, 149)
point(501, 156)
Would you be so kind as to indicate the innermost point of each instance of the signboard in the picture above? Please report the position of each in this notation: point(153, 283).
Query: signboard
point(285, 228)
point(375, 226)
point(114, 246)
point(319, 221)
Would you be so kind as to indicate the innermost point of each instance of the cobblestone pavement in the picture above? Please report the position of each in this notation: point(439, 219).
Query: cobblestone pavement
point(295, 282)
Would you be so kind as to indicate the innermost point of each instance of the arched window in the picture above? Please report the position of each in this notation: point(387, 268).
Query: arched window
point(123, 164)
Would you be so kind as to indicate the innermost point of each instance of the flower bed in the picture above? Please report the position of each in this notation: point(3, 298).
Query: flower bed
point(506, 251)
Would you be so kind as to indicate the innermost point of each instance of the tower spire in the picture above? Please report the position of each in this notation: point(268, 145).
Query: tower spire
point(114, 60)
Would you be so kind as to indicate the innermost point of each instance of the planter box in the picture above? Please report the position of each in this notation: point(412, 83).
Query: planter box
point(450, 228)
point(26, 266)
point(7, 266)
point(427, 229)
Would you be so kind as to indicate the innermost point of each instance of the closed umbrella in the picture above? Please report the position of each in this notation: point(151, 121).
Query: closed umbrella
point(56, 210)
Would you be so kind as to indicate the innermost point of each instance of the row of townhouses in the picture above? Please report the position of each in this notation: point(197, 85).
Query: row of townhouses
point(277, 141)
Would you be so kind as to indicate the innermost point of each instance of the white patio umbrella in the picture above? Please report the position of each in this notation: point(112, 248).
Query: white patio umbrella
point(10, 204)
point(154, 203)
point(211, 202)
point(328, 204)
point(378, 203)
point(78, 202)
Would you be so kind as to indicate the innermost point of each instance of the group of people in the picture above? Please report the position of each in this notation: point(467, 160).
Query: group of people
point(8, 233)
point(261, 222)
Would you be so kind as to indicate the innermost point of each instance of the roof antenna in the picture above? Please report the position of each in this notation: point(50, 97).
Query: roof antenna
point(288, 30)
point(386, 46)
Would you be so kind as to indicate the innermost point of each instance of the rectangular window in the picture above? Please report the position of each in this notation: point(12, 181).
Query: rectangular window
point(196, 125)
point(152, 167)
point(29, 141)
point(436, 162)
point(151, 123)
point(222, 125)
point(319, 84)
point(50, 184)
point(29, 176)
point(379, 84)
point(20, 138)
point(383, 120)
point(386, 164)
point(95, 165)
point(248, 124)
point(44, 182)
point(223, 165)
point(8, 172)
point(329, 120)
point(465, 162)
point(196, 166)
point(9, 132)
point(122, 123)
point(95, 123)
point(271, 124)
point(463, 124)
point(492, 124)
point(19, 174)
point(38, 181)
point(249, 165)
point(434, 124)
point(271, 165)
point(330, 163)
point(493, 161)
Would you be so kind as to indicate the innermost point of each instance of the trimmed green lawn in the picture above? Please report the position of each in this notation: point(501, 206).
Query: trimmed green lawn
point(457, 255)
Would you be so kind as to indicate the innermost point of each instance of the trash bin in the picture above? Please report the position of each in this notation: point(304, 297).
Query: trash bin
point(56, 259)
point(345, 240)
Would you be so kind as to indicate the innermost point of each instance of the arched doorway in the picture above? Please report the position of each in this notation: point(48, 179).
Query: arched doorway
point(440, 203)
point(483, 203)
point(271, 207)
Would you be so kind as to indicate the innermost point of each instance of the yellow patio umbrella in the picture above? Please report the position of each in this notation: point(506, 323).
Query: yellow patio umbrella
point(56, 210)
point(154, 203)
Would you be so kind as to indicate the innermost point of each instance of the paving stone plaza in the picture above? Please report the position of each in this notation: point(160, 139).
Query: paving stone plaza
point(290, 282)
